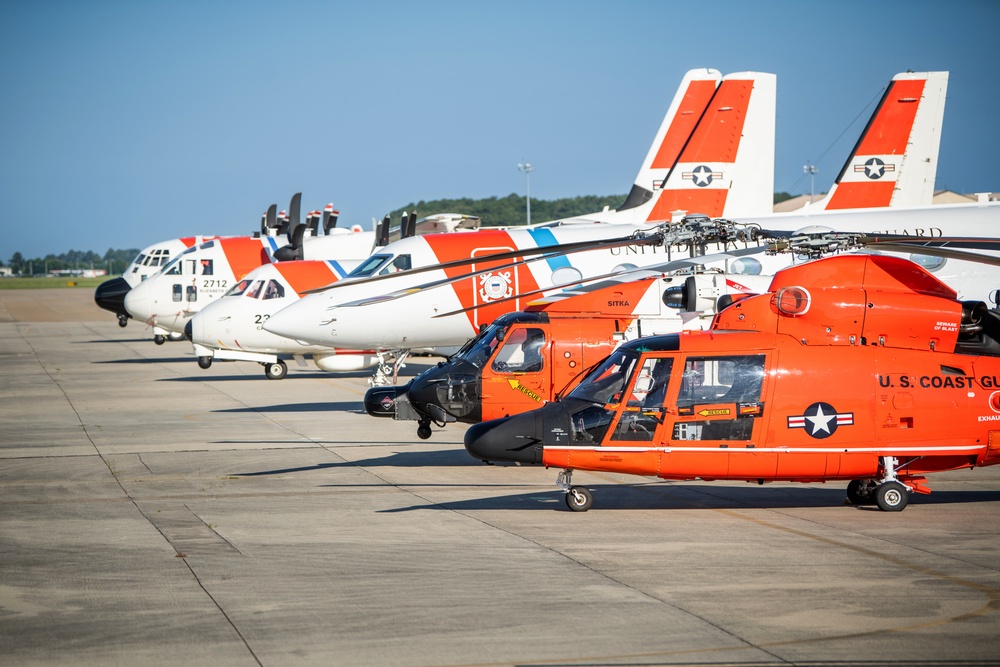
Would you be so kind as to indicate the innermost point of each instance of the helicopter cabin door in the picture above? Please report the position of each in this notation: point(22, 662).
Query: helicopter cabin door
point(516, 378)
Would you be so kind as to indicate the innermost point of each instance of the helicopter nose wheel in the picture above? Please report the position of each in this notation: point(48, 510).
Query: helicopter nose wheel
point(423, 429)
point(578, 498)
point(123, 321)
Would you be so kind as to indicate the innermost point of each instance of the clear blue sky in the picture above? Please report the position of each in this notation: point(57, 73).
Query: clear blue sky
point(128, 122)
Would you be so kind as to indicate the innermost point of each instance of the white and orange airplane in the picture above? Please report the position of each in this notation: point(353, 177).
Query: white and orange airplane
point(446, 304)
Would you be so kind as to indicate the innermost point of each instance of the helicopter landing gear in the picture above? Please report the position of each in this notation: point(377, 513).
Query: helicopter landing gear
point(424, 429)
point(123, 321)
point(275, 371)
point(862, 491)
point(204, 362)
point(159, 340)
point(892, 496)
point(578, 498)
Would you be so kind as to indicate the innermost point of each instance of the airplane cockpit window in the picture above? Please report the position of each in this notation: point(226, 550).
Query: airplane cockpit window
point(401, 263)
point(206, 267)
point(731, 386)
point(238, 288)
point(369, 266)
point(174, 267)
point(139, 260)
point(206, 245)
point(521, 352)
point(274, 290)
point(254, 291)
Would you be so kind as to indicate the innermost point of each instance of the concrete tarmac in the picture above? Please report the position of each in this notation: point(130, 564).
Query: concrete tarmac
point(152, 512)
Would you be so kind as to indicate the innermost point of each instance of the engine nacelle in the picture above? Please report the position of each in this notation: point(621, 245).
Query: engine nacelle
point(341, 363)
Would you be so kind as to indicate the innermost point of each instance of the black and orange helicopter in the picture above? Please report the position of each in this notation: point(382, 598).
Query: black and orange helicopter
point(863, 368)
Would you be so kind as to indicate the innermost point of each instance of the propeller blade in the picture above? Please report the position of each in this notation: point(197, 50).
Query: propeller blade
point(383, 231)
point(312, 222)
point(329, 218)
point(410, 226)
point(272, 216)
point(282, 222)
point(293, 209)
point(404, 225)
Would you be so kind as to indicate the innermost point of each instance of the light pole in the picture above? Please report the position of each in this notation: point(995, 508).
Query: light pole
point(527, 169)
point(811, 170)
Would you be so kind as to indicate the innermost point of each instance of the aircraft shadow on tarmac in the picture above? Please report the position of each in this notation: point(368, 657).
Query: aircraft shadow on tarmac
point(340, 406)
point(145, 360)
point(112, 340)
point(422, 459)
point(660, 496)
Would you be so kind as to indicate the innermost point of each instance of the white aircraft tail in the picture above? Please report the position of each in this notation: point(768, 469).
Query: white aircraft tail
point(895, 161)
point(726, 168)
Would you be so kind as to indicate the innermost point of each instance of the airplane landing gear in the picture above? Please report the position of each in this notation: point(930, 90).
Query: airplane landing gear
point(204, 362)
point(424, 429)
point(578, 498)
point(275, 371)
point(159, 340)
point(123, 321)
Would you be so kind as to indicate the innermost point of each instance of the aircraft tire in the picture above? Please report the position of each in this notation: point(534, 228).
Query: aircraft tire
point(891, 497)
point(579, 498)
point(276, 371)
point(860, 492)
point(159, 340)
point(204, 362)
point(123, 321)
point(423, 431)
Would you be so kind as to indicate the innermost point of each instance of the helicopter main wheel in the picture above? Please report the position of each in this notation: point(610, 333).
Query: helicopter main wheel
point(423, 430)
point(276, 371)
point(891, 497)
point(123, 321)
point(579, 498)
point(861, 492)
point(204, 362)
point(159, 340)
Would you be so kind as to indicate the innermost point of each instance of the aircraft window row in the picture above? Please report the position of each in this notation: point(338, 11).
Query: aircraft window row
point(204, 267)
point(179, 292)
point(521, 351)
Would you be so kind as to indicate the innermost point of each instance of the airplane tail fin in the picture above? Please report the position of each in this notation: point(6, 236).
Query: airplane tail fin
point(895, 161)
point(726, 166)
point(685, 110)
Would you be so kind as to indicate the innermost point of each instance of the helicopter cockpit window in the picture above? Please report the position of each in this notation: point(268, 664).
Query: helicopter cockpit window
point(728, 387)
point(644, 410)
point(602, 388)
point(369, 266)
point(274, 290)
point(521, 351)
point(254, 291)
point(238, 288)
point(481, 347)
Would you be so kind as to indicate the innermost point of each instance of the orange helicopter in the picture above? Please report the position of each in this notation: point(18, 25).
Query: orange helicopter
point(522, 359)
point(863, 368)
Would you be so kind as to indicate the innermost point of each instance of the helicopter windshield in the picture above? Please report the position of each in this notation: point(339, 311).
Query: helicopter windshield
point(608, 379)
point(477, 351)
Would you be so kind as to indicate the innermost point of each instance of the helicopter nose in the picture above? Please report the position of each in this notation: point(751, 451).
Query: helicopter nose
point(381, 401)
point(110, 295)
point(505, 439)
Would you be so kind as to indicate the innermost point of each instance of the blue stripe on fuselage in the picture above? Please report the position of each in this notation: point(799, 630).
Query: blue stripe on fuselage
point(544, 238)
point(337, 268)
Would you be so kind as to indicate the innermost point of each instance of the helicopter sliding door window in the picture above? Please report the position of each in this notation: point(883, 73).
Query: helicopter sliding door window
point(719, 398)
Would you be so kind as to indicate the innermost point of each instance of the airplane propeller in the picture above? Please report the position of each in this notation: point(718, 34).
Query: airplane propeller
point(329, 218)
point(295, 231)
point(382, 233)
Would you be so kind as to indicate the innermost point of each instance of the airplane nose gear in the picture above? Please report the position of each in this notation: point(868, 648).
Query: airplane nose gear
point(578, 498)
point(275, 371)
point(123, 321)
point(204, 362)
point(386, 368)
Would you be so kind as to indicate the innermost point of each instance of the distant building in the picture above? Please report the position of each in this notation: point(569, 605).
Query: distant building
point(82, 273)
point(6, 272)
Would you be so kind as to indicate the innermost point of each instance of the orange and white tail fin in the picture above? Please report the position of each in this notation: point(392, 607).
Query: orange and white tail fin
point(726, 166)
point(684, 113)
point(895, 161)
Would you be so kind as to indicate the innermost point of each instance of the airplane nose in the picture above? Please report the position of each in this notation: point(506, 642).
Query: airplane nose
point(138, 303)
point(298, 322)
point(110, 295)
point(505, 439)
